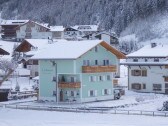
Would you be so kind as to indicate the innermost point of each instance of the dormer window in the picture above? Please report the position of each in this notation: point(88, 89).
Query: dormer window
point(135, 60)
point(156, 60)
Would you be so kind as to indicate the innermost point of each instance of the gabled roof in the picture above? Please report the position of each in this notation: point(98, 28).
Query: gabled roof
point(73, 49)
point(38, 45)
point(148, 51)
point(42, 25)
point(86, 27)
point(3, 52)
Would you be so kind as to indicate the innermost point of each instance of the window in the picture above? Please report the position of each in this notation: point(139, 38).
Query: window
point(92, 78)
point(146, 60)
point(136, 86)
point(54, 79)
point(96, 48)
point(86, 62)
point(144, 72)
point(72, 93)
point(136, 72)
point(143, 86)
point(91, 93)
point(108, 77)
point(105, 91)
point(105, 62)
point(135, 60)
point(157, 87)
point(156, 60)
point(72, 79)
point(101, 78)
point(96, 62)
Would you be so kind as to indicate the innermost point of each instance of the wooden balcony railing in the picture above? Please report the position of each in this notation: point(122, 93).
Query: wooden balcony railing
point(115, 82)
point(97, 69)
point(69, 84)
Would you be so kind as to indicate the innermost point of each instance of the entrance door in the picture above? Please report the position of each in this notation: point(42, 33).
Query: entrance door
point(166, 88)
point(61, 96)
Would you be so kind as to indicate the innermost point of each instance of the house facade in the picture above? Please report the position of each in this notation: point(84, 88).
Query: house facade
point(32, 30)
point(148, 69)
point(82, 73)
point(8, 28)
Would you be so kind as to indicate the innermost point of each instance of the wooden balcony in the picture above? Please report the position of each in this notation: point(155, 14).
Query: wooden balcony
point(69, 84)
point(115, 82)
point(98, 69)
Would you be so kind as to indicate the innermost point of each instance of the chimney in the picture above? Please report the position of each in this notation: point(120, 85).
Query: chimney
point(153, 45)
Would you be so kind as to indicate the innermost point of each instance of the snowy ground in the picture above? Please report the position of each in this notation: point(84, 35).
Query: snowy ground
point(43, 118)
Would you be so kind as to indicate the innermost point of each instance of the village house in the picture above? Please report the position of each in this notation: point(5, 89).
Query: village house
point(8, 28)
point(77, 71)
point(78, 31)
point(110, 38)
point(32, 30)
point(148, 69)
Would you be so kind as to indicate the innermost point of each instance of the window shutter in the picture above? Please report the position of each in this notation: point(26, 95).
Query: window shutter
point(68, 93)
point(102, 91)
point(75, 93)
point(89, 78)
point(109, 91)
point(88, 93)
point(95, 92)
point(104, 78)
point(94, 78)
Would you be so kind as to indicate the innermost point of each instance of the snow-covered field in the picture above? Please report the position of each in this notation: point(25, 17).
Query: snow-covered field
point(10, 117)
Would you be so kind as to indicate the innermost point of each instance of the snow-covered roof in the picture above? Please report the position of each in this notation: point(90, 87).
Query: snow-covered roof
point(13, 22)
point(40, 44)
point(72, 49)
point(147, 51)
point(86, 27)
point(45, 25)
point(57, 28)
point(7, 46)
point(66, 50)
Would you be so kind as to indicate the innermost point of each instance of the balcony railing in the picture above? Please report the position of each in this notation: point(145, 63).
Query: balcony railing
point(69, 84)
point(97, 69)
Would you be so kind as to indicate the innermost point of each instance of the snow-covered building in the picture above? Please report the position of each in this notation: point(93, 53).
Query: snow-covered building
point(78, 31)
point(57, 32)
point(79, 71)
point(8, 28)
point(110, 38)
point(32, 30)
point(148, 69)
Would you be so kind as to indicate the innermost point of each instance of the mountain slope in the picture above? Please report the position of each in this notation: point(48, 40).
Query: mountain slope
point(109, 14)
